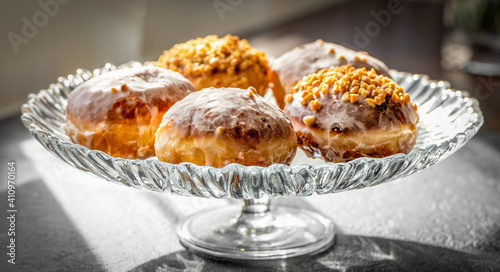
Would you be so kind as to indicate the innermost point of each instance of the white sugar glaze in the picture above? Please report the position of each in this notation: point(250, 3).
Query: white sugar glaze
point(217, 127)
point(92, 99)
point(312, 57)
point(228, 108)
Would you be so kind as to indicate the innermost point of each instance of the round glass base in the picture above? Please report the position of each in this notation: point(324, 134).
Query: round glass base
point(275, 233)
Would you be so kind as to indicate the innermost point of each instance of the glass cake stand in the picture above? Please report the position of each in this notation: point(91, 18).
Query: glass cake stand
point(258, 231)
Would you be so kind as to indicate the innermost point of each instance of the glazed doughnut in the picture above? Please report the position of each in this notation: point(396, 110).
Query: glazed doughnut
point(217, 127)
point(119, 112)
point(343, 113)
point(309, 58)
point(218, 62)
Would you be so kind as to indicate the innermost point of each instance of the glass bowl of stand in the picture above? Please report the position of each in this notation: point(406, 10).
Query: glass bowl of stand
point(256, 230)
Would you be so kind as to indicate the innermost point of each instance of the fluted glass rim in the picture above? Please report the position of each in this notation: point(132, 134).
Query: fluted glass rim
point(43, 113)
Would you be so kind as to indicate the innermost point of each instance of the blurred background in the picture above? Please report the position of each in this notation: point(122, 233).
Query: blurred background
point(454, 40)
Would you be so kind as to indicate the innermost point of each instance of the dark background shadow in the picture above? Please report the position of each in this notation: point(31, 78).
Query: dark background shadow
point(349, 253)
point(46, 239)
point(44, 243)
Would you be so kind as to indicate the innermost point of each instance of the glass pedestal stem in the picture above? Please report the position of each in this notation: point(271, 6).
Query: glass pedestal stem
point(256, 231)
point(260, 205)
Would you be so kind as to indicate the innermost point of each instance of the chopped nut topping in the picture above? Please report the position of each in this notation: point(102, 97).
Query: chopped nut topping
point(345, 96)
point(406, 99)
point(414, 105)
point(353, 84)
point(315, 105)
point(309, 96)
point(370, 102)
point(309, 120)
point(341, 57)
point(331, 51)
point(114, 90)
point(395, 97)
point(124, 87)
point(353, 97)
point(251, 91)
point(319, 83)
point(365, 93)
point(359, 59)
point(220, 130)
point(288, 98)
point(355, 90)
point(212, 54)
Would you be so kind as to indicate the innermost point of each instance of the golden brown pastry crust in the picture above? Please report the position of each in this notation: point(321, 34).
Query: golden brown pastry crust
point(218, 62)
point(338, 116)
point(217, 127)
point(120, 111)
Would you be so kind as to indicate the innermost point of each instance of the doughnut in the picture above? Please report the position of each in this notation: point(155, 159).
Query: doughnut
point(119, 112)
point(220, 126)
point(343, 113)
point(309, 58)
point(218, 62)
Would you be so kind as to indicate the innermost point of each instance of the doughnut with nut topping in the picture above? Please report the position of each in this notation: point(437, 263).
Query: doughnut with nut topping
point(218, 62)
point(309, 58)
point(343, 113)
